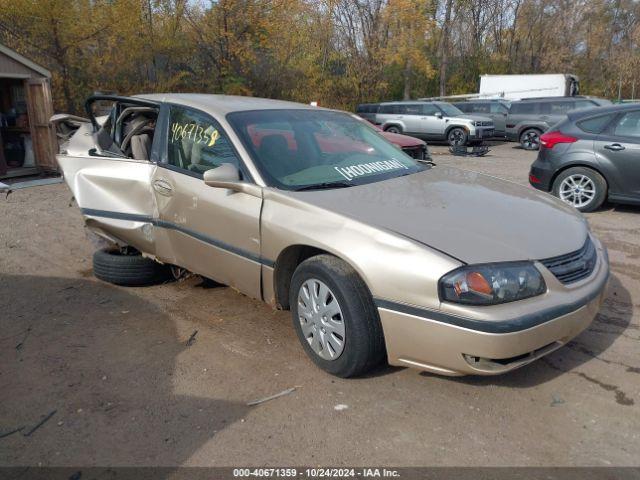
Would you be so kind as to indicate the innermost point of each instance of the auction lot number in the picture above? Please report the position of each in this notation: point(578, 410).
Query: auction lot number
point(316, 472)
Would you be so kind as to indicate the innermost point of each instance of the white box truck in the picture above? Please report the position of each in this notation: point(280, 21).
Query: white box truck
point(516, 87)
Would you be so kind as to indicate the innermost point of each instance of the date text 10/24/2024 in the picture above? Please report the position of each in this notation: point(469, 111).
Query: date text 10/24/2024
point(316, 473)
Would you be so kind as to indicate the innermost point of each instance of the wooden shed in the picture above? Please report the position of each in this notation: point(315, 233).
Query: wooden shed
point(27, 142)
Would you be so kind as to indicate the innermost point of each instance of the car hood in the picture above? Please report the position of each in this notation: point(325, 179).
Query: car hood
point(476, 118)
point(472, 217)
point(402, 140)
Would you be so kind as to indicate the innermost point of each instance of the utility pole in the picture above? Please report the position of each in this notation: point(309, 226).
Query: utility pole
point(620, 88)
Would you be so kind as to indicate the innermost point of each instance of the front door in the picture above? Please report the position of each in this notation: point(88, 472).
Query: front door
point(498, 113)
point(210, 231)
point(432, 123)
point(618, 149)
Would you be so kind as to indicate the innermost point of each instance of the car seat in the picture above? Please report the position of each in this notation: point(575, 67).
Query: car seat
point(274, 152)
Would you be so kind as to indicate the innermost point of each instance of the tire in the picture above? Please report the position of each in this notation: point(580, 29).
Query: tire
point(585, 178)
point(393, 129)
point(457, 137)
point(530, 139)
point(363, 340)
point(128, 270)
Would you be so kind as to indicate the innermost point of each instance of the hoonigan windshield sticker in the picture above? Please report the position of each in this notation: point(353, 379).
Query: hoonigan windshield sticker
point(369, 168)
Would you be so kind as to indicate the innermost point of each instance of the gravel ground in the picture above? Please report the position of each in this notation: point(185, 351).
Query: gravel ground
point(113, 365)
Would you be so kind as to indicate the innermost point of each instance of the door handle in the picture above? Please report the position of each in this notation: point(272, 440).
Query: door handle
point(163, 187)
point(616, 147)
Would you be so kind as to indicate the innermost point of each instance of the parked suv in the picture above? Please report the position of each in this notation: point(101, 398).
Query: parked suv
point(529, 118)
point(592, 156)
point(434, 121)
point(496, 110)
point(368, 111)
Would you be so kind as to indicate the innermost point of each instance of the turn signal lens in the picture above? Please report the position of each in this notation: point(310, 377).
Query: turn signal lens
point(478, 283)
point(551, 139)
point(492, 283)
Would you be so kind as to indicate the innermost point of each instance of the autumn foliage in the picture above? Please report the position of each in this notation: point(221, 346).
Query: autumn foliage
point(336, 52)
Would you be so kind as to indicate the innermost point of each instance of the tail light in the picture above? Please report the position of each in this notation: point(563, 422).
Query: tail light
point(551, 139)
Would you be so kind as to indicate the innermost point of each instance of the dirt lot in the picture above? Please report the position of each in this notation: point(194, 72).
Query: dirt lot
point(126, 390)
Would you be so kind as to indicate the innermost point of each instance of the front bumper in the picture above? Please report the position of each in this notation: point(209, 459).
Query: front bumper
point(479, 133)
point(427, 341)
point(418, 152)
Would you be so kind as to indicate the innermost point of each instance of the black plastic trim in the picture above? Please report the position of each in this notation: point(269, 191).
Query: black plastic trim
point(172, 226)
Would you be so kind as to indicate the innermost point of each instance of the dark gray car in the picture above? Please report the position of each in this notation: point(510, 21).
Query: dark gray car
point(592, 156)
point(368, 111)
point(529, 118)
point(496, 110)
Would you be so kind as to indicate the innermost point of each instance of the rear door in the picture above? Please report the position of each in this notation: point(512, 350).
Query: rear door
point(555, 111)
point(411, 117)
point(618, 150)
point(112, 190)
point(210, 231)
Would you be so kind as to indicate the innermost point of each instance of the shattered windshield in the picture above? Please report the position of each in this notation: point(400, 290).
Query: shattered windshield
point(302, 149)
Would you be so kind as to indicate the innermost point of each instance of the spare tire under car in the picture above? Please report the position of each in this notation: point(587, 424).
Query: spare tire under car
point(128, 268)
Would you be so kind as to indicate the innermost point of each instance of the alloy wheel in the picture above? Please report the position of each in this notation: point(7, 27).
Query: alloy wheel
point(577, 190)
point(321, 319)
point(456, 137)
point(531, 140)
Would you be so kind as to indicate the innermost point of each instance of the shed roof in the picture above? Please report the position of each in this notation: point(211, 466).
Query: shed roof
point(12, 64)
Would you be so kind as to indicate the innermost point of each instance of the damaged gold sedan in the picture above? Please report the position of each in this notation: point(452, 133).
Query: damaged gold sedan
point(378, 256)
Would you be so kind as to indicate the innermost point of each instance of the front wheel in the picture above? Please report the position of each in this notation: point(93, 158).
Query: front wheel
point(581, 187)
point(335, 318)
point(457, 137)
point(530, 139)
point(393, 129)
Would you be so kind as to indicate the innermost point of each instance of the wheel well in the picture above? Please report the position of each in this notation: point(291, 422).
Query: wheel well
point(583, 165)
point(386, 127)
point(525, 128)
point(286, 264)
point(451, 127)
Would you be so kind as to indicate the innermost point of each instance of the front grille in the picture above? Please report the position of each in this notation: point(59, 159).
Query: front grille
point(573, 266)
point(418, 153)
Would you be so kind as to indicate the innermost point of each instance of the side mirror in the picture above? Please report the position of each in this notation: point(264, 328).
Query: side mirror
point(438, 114)
point(224, 176)
point(228, 176)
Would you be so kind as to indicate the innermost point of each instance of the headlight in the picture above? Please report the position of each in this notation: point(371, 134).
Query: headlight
point(491, 283)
